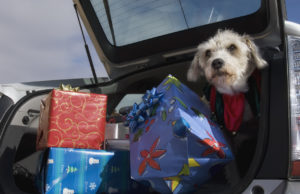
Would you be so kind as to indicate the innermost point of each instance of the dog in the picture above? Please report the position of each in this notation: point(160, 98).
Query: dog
point(228, 60)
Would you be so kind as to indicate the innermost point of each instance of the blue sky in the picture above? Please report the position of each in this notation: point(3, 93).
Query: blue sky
point(41, 40)
point(293, 7)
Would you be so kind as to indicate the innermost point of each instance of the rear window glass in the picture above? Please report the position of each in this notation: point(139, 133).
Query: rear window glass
point(130, 21)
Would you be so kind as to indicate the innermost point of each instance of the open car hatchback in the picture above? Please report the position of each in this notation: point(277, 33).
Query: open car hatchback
point(140, 43)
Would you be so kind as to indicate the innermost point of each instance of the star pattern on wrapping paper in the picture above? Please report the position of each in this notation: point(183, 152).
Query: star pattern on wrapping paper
point(173, 81)
point(214, 146)
point(150, 123)
point(149, 157)
point(198, 113)
point(185, 171)
point(174, 182)
point(137, 135)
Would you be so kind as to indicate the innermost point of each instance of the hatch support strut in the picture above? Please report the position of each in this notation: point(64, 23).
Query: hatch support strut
point(86, 48)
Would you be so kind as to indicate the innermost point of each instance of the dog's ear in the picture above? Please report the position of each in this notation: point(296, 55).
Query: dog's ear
point(254, 52)
point(195, 71)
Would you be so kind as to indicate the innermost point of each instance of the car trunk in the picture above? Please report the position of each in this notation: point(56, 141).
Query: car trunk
point(134, 75)
point(21, 160)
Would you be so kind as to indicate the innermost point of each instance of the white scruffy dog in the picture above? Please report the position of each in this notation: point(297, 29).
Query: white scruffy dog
point(226, 60)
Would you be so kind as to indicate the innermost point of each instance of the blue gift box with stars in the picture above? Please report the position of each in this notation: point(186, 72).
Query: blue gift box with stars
point(173, 142)
point(88, 171)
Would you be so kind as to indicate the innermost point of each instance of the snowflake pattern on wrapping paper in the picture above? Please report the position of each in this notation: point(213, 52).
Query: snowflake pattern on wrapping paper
point(92, 186)
point(214, 146)
point(47, 187)
point(149, 157)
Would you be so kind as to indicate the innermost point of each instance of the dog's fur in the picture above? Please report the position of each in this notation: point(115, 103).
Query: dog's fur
point(239, 54)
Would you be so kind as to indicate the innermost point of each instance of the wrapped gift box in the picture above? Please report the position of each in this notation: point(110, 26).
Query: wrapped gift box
point(88, 171)
point(72, 119)
point(173, 142)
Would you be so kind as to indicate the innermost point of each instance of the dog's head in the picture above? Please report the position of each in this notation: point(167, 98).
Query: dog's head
point(226, 60)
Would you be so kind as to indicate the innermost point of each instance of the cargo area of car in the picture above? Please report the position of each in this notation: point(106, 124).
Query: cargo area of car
point(20, 161)
point(140, 66)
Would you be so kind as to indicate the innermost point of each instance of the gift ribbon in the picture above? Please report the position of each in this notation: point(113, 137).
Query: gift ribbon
point(141, 112)
point(68, 87)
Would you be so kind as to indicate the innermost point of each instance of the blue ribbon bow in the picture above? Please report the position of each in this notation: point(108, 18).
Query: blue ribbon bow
point(141, 112)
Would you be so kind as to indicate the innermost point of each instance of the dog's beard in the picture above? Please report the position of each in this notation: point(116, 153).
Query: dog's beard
point(221, 78)
point(223, 81)
point(220, 75)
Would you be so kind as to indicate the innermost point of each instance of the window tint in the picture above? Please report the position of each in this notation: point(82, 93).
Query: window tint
point(129, 21)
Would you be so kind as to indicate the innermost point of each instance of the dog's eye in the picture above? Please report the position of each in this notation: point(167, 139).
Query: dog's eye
point(207, 53)
point(231, 48)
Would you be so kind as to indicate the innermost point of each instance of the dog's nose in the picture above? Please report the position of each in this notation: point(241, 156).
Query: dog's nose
point(217, 63)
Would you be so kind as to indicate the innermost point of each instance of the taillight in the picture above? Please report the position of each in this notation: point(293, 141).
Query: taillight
point(294, 89)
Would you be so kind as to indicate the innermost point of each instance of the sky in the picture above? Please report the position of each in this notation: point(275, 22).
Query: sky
point(41, 40)
point(293, 7)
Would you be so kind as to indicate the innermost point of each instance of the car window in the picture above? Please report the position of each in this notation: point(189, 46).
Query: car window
point(129, 100)
point(129, 21)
